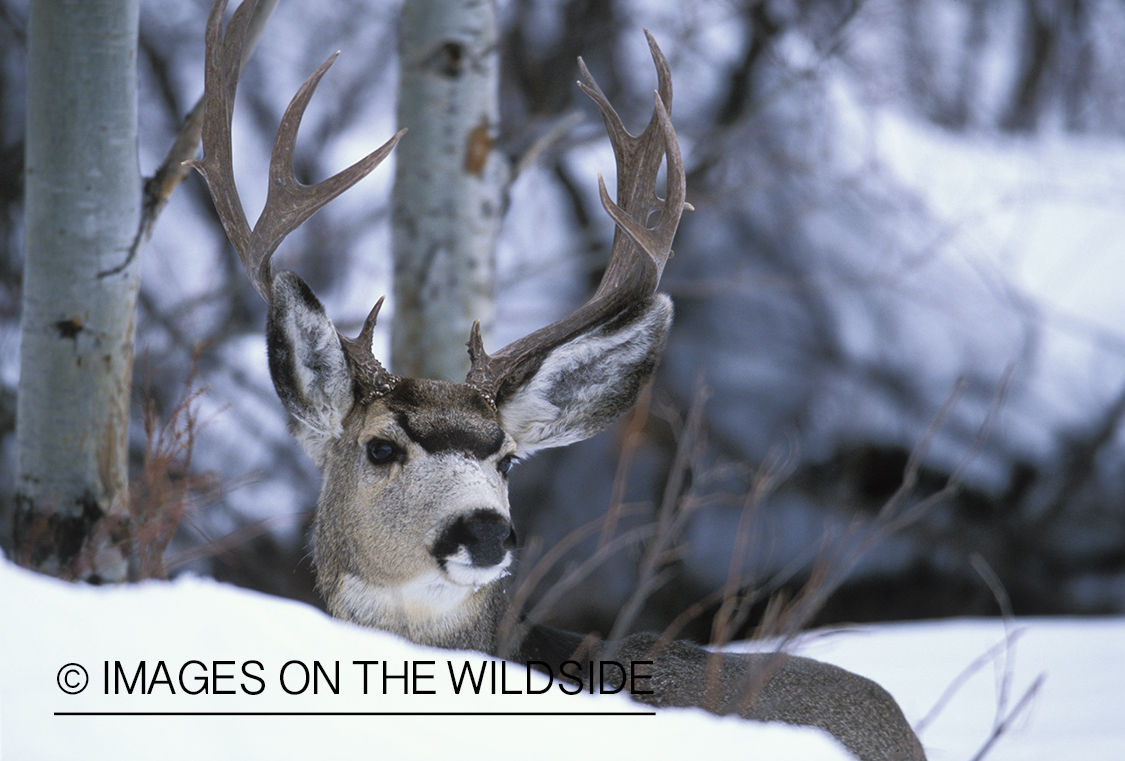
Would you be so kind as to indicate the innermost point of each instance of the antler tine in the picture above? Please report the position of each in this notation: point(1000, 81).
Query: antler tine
point(639, 253)
point(371, 379)
point(288, 202)
point(638, 160)
point(657, 241)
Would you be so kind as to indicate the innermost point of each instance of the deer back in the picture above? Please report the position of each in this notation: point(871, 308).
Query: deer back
point(767, 686)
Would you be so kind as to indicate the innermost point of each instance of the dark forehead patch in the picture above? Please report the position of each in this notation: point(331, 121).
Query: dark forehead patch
point(446, 417)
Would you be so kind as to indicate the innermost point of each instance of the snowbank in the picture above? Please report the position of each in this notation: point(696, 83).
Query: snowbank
point(208, 647)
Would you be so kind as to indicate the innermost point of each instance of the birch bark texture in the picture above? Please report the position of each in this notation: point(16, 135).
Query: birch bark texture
point(449, 185)
point(81, 275)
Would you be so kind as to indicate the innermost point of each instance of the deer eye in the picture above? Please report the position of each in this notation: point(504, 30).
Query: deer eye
point(383, 452)
point(505, 465)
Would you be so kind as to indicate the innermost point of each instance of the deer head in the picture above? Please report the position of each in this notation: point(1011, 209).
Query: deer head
point(413, 529)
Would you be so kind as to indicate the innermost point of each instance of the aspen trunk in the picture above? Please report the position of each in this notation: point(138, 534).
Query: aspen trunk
point(83, 206)
point(449, 185)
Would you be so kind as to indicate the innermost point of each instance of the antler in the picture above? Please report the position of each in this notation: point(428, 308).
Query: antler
point(288, 202)
point(639, 253)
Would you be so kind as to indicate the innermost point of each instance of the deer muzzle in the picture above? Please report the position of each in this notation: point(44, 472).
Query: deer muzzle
point(476, 548)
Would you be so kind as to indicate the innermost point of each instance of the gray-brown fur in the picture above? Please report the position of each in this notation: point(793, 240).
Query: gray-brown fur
point(779, 687)
point(413, 530)
point(756, 686)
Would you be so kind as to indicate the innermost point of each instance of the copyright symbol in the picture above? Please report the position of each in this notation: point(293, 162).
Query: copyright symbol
point(73, 678)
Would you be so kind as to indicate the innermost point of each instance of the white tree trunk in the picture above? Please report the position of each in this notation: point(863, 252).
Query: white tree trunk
point(449, 184)
point(81, 270)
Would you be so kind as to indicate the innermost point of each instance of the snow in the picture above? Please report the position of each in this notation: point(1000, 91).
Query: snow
point(258, 643)
point(1028, 231)
point(1075, 713)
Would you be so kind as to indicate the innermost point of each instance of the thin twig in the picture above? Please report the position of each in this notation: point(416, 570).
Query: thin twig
point(638, 418)
point(510, 626)
point(959, 681)
point(547, 140)
point(669, 519)
point(1006, 722)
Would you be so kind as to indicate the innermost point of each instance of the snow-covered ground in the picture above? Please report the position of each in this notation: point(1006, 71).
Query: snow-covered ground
point(263, 647)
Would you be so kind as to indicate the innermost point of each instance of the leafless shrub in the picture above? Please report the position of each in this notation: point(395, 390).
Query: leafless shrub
point(161, 495)
point(730, 606)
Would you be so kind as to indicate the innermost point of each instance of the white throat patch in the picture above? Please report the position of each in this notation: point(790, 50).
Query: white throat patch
point(425, 598)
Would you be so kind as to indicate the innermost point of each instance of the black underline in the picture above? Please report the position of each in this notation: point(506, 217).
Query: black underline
point(355, 713)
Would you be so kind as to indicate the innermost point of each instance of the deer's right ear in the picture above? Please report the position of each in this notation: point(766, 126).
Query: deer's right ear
point(307, 363)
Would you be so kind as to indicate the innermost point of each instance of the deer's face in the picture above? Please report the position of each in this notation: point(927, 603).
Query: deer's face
point(412, 528)
point(414, 499)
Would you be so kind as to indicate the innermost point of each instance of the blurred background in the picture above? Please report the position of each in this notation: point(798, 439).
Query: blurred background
point(897, 369)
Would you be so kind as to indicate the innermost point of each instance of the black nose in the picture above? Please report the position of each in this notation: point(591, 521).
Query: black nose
point(485, 534)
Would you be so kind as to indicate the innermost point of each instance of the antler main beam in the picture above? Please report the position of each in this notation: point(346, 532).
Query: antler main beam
point(639, 253)
point(288, 201)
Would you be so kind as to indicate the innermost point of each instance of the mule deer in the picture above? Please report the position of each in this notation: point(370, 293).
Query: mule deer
point(412, 530)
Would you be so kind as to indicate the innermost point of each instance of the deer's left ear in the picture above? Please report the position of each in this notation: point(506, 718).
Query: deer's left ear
point(307, 363)
point(583, 385)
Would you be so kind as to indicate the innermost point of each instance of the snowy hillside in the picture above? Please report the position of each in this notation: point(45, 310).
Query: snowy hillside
point(262, 648)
